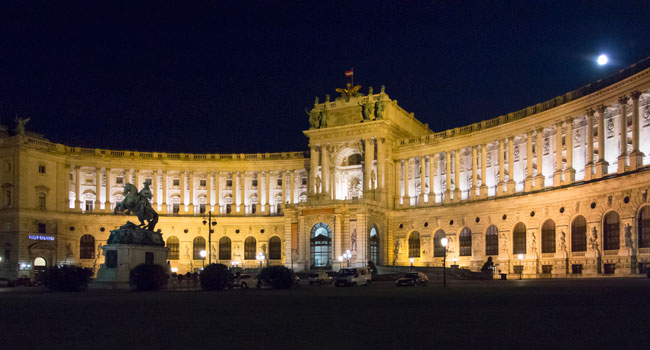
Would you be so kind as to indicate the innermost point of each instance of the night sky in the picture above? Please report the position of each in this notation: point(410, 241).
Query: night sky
point(215, 77)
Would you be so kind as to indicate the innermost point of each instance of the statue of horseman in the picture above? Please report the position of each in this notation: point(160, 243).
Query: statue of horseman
point(139, 204)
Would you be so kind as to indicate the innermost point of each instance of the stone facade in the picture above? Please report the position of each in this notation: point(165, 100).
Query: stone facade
point(557, 189)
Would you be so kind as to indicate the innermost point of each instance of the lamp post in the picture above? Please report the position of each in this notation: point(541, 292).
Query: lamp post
point(340, 262)
point(210, 230)
point(444, 242)
point(521, 266)
point(260, 257)
point(411, 260)
point(203, 253)
point(347, 255)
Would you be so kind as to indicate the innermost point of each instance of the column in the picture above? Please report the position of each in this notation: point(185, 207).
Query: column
point(557, 174)
point(432, 176)
point(235, 194)
point(191, 204)
point(589, 162)
point(183, 180)
point(622, 119)
point(313, 164)
point(423, 175)
point(325, 173)
point(381, 163)
point(267, 189)
point(164, 192)
point(242, 185)
point(457, 195)
point(283, 188)
point(472, 190)
point(98, 187)
point(483, 190)
point(569, 172)
point(398, 186)
point(217, 192)
point(528, 182)
point(338, 235)
point(154, 189)
point(448, 177)
point(77, 170)
point(539, 152)
point(407, 198)
point(636, 157)
point(368, 159)
point(601, 165)
point(292, 187)
point(107, 199)
point(208, 185)
point(511, 185)
point(501, 159)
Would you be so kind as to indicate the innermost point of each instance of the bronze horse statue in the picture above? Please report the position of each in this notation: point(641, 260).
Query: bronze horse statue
point(138, 204)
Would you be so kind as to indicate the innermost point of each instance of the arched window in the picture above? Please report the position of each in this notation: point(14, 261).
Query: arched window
point(465, 240)
point(438, 249)
point(611, 238)
point(198, 245)
point(373, 243)
point(275, 248)
point(87, 247)
point(224, 248)
point(321, 246)
point(548, 237)
point(644, 228)
point(174, 248)
point(492, 240)
point(250, 248)
point(519, 239)
point(579, 234)
point(414, 245)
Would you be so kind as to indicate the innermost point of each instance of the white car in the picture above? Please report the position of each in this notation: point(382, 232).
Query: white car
point(244, 281)
point(353, 276)
point(320, 278)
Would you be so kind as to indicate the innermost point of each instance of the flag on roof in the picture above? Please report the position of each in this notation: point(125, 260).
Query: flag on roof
point(349, 73)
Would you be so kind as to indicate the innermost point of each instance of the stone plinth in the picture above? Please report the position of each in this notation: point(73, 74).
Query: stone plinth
point(127, 248)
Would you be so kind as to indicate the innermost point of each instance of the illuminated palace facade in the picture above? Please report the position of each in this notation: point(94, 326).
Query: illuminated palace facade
point(556, 189)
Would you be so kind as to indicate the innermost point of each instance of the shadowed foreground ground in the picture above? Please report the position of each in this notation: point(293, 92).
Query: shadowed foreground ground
point(612, 313)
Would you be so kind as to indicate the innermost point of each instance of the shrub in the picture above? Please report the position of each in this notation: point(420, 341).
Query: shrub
point(146, 277)
point(215, 277)
point(66, 278)
point(279, 277)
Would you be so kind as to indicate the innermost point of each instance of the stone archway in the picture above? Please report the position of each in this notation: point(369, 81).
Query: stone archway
point(348, 174)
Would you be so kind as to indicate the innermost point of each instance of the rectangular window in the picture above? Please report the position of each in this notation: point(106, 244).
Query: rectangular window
point(518, 269)
point(253, 206)
point(89, 205)
point(254, 183)
point(547, 269)
point(228, 208)
point(303, 181)
point(202, 208)
point(176, 182)
point(41, 169)
point(6, 260)
point(41, 201)
point(119, 180)
point(279, 182)
point(228, 183)
point(202, 183)
point(576, 269)
point(41, 227)
point(175, 208)
point(8, 199)
point(279, 208)
point(610, 269)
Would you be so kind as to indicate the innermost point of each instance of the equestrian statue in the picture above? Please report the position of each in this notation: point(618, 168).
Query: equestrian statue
point(138, 204)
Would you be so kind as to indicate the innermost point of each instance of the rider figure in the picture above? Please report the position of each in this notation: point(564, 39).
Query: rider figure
point(144, 197)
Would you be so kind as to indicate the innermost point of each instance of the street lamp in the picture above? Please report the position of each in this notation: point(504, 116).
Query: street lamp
point(411, 260)
point(174, 269)
point(444, 242)
point(210, 230)
point(260, 257)
point(347, 255)
point(521, 266)
point(202, 253)
point(340, 262)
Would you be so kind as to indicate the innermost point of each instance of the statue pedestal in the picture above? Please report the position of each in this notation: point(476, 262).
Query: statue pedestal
point(127, 248)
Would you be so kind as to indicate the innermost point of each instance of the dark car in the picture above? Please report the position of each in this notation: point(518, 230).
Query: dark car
point(412, 279)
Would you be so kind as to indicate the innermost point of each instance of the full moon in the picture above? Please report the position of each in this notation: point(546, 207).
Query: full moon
point(602, 60)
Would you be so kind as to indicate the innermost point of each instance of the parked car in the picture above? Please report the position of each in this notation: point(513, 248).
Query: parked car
point(353, 276)
point(412, 279)
point(244, 281)
point(23, 281)
point(320, 278)
point(5, 282)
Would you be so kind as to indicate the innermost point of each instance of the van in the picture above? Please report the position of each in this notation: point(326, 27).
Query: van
point(353, 276)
